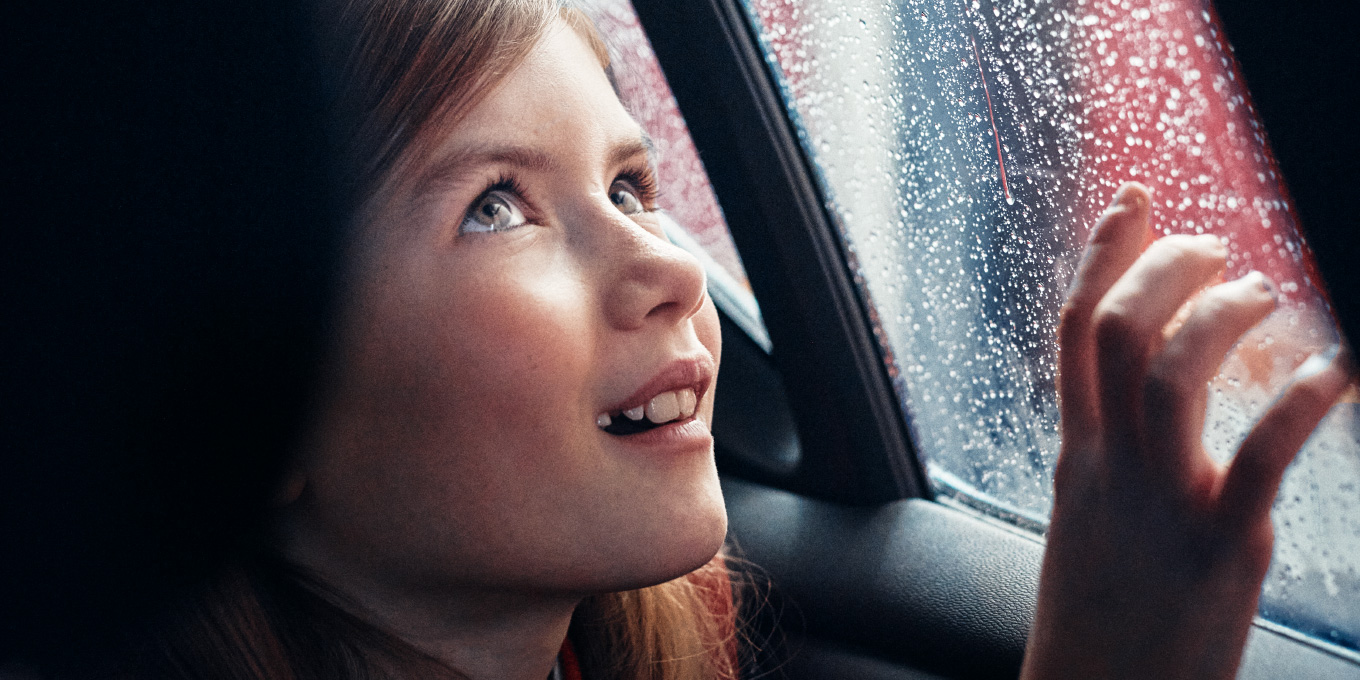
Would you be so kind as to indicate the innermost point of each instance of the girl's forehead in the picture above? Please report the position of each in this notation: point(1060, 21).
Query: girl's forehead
point(555, 111)
point(560, 86)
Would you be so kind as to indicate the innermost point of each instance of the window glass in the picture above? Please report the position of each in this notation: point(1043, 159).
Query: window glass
point(686, 196)
point(967, 146)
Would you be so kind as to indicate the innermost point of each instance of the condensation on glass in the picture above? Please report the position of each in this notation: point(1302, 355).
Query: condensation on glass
point(967, 146)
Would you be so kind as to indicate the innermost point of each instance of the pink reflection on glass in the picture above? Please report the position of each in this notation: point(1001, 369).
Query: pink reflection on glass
point(1167, 107)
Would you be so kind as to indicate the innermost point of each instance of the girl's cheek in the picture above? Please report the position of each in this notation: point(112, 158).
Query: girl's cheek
point(521, 324)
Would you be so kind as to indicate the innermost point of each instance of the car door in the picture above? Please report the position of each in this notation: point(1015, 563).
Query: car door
point(908, 186)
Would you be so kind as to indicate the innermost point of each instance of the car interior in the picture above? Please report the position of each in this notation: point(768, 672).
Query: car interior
point(860, 566)
point(871, 573)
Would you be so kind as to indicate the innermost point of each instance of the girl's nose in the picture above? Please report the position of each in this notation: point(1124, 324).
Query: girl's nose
point(652, 281)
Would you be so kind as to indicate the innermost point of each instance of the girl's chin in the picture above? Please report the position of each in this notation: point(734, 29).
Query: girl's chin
point(677, 557)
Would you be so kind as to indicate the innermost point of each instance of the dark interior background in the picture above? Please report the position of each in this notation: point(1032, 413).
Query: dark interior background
point(1299, 61)
point(169, 236)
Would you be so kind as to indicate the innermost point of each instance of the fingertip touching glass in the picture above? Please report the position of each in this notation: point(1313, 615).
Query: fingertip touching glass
point(966, 147)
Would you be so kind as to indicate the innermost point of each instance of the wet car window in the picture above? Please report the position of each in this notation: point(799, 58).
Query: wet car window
point(686, 196)
point(966, 147)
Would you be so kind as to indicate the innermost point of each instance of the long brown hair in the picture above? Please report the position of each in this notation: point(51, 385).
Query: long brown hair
point(413, 68)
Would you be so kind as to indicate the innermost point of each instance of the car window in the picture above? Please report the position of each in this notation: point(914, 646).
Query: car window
point(965, 148)
point(695, 220)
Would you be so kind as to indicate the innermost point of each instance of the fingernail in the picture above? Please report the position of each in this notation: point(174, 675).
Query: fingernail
point(1124, 197)
point(1317, 363)
point(1128, 195)
point(1333, 351)
point(1266, 284)
point(1346, 360)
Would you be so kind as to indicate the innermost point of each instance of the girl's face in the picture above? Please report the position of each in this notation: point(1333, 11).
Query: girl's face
point(514, 297)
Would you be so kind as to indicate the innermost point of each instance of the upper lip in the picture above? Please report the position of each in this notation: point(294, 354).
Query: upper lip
point(694, 372)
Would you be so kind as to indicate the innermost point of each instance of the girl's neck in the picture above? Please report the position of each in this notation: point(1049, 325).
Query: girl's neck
point(485, 638)
point(483, 634)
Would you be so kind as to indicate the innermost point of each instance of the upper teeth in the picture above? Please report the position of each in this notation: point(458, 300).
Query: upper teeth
point(663, 408)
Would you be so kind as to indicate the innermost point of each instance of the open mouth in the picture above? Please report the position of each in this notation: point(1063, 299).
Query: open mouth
point(663, 409)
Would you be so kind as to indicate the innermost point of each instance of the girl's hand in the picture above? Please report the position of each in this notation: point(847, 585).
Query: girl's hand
point(1155, 552)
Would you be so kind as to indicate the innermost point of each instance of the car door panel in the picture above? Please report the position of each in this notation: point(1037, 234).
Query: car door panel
point(918, 589)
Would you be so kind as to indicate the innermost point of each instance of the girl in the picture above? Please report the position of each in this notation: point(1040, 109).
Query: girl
point(512, 447)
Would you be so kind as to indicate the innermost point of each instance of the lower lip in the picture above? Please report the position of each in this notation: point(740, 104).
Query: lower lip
point(679, 435)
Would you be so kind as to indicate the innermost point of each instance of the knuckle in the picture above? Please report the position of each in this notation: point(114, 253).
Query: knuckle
point(1249, 470)
point(1234, 298)
point(1076, 318)
point(1211, 319)
point(1214, 303)
point(1221, 311)
point(1072, 472)
point(1187, 248)
point(1164, 386)
point(1072, 311)
point(1175, 242)
point(1116, 328)
point(1073, 317)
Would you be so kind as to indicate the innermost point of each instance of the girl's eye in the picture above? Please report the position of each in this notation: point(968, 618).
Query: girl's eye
point(625, 198)
point(494, 211)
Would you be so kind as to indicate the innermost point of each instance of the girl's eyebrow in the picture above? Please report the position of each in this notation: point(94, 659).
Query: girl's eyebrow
point(464, 160)
point(642, 146)
point(461, 161)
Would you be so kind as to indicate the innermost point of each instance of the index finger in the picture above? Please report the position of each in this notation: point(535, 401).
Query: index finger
point(1116, 241)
